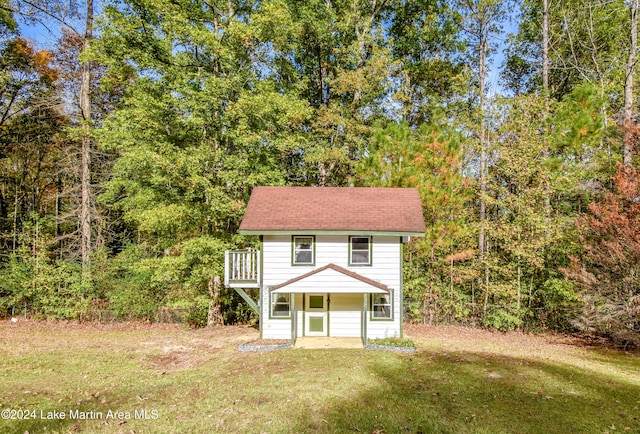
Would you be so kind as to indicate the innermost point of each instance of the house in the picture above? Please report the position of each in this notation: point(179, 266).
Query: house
point(330, 262)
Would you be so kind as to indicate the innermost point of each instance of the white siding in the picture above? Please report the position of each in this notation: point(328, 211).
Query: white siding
point(345, 318)
point(279, 328)
point(337, 281)
point(332, 249)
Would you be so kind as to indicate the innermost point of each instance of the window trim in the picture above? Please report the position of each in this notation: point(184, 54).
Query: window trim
point(293, 251)
point(360, 264)
point(272, 304)
point(371, 311)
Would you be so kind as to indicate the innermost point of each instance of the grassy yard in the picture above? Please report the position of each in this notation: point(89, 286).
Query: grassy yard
point(167, 379)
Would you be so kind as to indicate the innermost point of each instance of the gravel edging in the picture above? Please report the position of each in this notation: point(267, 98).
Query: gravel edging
point(388, 348)
point(246, 347)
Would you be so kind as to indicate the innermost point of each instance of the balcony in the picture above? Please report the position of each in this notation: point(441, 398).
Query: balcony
point(242, 268)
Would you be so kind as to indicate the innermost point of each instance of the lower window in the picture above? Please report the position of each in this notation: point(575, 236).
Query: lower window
point(280, 305)
point(381, 306)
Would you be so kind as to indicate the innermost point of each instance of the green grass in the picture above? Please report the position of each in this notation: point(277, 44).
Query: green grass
point(394, 342)
point(197, 381)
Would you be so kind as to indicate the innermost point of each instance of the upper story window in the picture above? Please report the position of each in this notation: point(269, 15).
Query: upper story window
point(359, 250)
point(303, 250)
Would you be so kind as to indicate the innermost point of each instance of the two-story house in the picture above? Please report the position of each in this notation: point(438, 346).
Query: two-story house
point(330, 262)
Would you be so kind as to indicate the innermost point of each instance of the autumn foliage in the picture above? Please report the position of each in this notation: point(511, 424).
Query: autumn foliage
point(608, 272)
point(20, 53)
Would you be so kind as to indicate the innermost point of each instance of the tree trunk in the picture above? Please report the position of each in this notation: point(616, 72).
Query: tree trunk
point(546, 95)
point(483, 48)
point(322, 174)
point(545, 51)
point(85, 106)
point(214, 316)
point(482, 64)
point(627, 150)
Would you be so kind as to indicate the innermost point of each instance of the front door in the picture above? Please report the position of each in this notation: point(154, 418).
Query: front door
point(315, 322)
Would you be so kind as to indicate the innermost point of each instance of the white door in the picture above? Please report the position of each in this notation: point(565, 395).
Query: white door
point(315, 315)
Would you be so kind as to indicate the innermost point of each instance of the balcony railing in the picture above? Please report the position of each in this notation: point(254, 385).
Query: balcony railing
point(242, 268)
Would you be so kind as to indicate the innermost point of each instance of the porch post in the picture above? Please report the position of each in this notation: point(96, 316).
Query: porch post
point(294, 320)
point(227, 270)
point(365, 309)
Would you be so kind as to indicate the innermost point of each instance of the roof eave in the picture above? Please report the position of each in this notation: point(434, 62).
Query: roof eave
point(329, 232)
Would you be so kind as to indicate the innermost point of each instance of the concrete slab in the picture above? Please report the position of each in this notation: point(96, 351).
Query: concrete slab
point(309, 342)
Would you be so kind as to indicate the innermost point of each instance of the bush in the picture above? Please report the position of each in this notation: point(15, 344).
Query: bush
point(559, 300)
point(139, 287)
point(502, 320)
point(197, 312)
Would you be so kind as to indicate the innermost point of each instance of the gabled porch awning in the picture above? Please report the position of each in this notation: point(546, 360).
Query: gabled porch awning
point(331, 279)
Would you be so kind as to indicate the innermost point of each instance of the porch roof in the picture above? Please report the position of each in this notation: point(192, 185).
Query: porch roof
point(331, 279)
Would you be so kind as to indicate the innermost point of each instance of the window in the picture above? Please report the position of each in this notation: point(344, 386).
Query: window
point(303, 250)
point(316, 302)
point(281, 305)
point(360, 251)
point(381, 306)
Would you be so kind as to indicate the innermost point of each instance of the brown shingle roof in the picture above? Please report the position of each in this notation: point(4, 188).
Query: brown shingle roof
point(287, 209)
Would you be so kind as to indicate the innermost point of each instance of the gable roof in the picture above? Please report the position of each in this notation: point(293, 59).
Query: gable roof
point(352, 210)
point(332, 278)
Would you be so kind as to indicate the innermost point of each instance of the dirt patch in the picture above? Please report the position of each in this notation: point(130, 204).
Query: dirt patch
point(180, 358)
point(190, 347)
point(469, 334)
point(71, 325)
point(495, 344)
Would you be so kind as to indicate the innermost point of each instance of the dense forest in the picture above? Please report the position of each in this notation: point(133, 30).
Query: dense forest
point(129, 149)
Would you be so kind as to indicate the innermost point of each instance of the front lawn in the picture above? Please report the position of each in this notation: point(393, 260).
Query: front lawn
point(163, 378)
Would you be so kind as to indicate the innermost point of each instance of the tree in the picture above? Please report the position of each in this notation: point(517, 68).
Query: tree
point(582, 45)
point(8, 23)
point(627, 128)
point(481, 22)
point(426, 50)
point(198, 126)
point(80, 22)
point(607, 272)
point(85, 181)
point(428, 158)
point(519, 229)
point(335, 58)
point(31, 137)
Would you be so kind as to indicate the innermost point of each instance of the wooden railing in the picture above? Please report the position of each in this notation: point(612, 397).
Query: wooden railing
point(242, 268)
